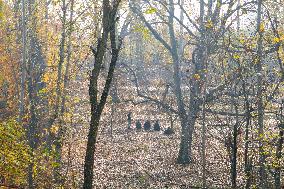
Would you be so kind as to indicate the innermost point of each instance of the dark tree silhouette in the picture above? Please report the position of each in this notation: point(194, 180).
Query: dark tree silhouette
point(97, 105)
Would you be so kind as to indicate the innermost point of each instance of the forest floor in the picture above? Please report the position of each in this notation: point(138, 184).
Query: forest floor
point(138, 159)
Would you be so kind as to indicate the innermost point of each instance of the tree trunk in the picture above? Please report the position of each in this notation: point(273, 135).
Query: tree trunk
point(96, 110)
point(260, 111)
point(183, 154)
point(32, 133)
point(109, 21)
point(246, 155)
point(31, 128)
point(23, 65)
point(60, 134)
point(195, 91)
point(234, 156)
point(277, 174)
point(54, 116)
point(203, 142)
point(89, 158)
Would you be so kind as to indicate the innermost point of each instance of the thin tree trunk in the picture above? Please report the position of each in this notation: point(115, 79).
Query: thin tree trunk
point(32, 111)
point(203, 142)
point(183, 156)
point(34, 72)
point(23, 65)
point(32, 127)
point(109, 21)
point(198, 59)
point(260, 107)
point(111, 119)
point(59, 72)
point(61, 131)
point(93, 92)
point(246, 155)
point(61, 60)
point(51, 137)
point(68, 60)
point(234, 152)
point(30, 87)
point(96, 110)
point(277, 174)
point(181, 40)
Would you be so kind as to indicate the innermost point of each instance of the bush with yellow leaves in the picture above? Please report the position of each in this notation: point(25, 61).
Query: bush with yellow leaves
point(14, 153)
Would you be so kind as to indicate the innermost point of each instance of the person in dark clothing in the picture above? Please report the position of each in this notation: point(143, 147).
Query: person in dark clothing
point(147, 125)
point(129, 120)
point(138, 125)
point(169, 131)
point(157, 126)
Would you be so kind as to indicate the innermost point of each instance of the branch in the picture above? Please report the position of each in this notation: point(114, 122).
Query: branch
point(140, 94)
point(179, 21)
point(149, 26)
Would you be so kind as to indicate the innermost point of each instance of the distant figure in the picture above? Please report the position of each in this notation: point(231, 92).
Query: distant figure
point(138, 125)
point(157, 126)
point(169, 131)
point(129, 120)
point(147, 125)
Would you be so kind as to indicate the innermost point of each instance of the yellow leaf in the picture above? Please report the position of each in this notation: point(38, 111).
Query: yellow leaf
point(54, 129)
point(67, 115)
point(209, 24)
point(261, 27)
point(276, 40)
point(151, 10)
point(76, 100)
point(109, 98)
point(45, 78)
point(236, 56)
point(196, 76)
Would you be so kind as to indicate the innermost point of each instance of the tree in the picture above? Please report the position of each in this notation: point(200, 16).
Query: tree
point(205, 33)
point(260, 107)
point(23, 65)
point(109, 30)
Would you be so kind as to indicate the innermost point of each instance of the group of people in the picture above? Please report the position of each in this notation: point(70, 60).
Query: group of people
point(147, 125)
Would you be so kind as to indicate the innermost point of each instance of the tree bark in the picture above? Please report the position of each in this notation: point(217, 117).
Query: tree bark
point(277, 174)
point(234, 152)
point(184, 153)
point(260, 107)
point(203, 135)
point(32, 127)
point(109, 21)
point(66, 35)
point(23, 65)
point(248, 122)
point(279, 147)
